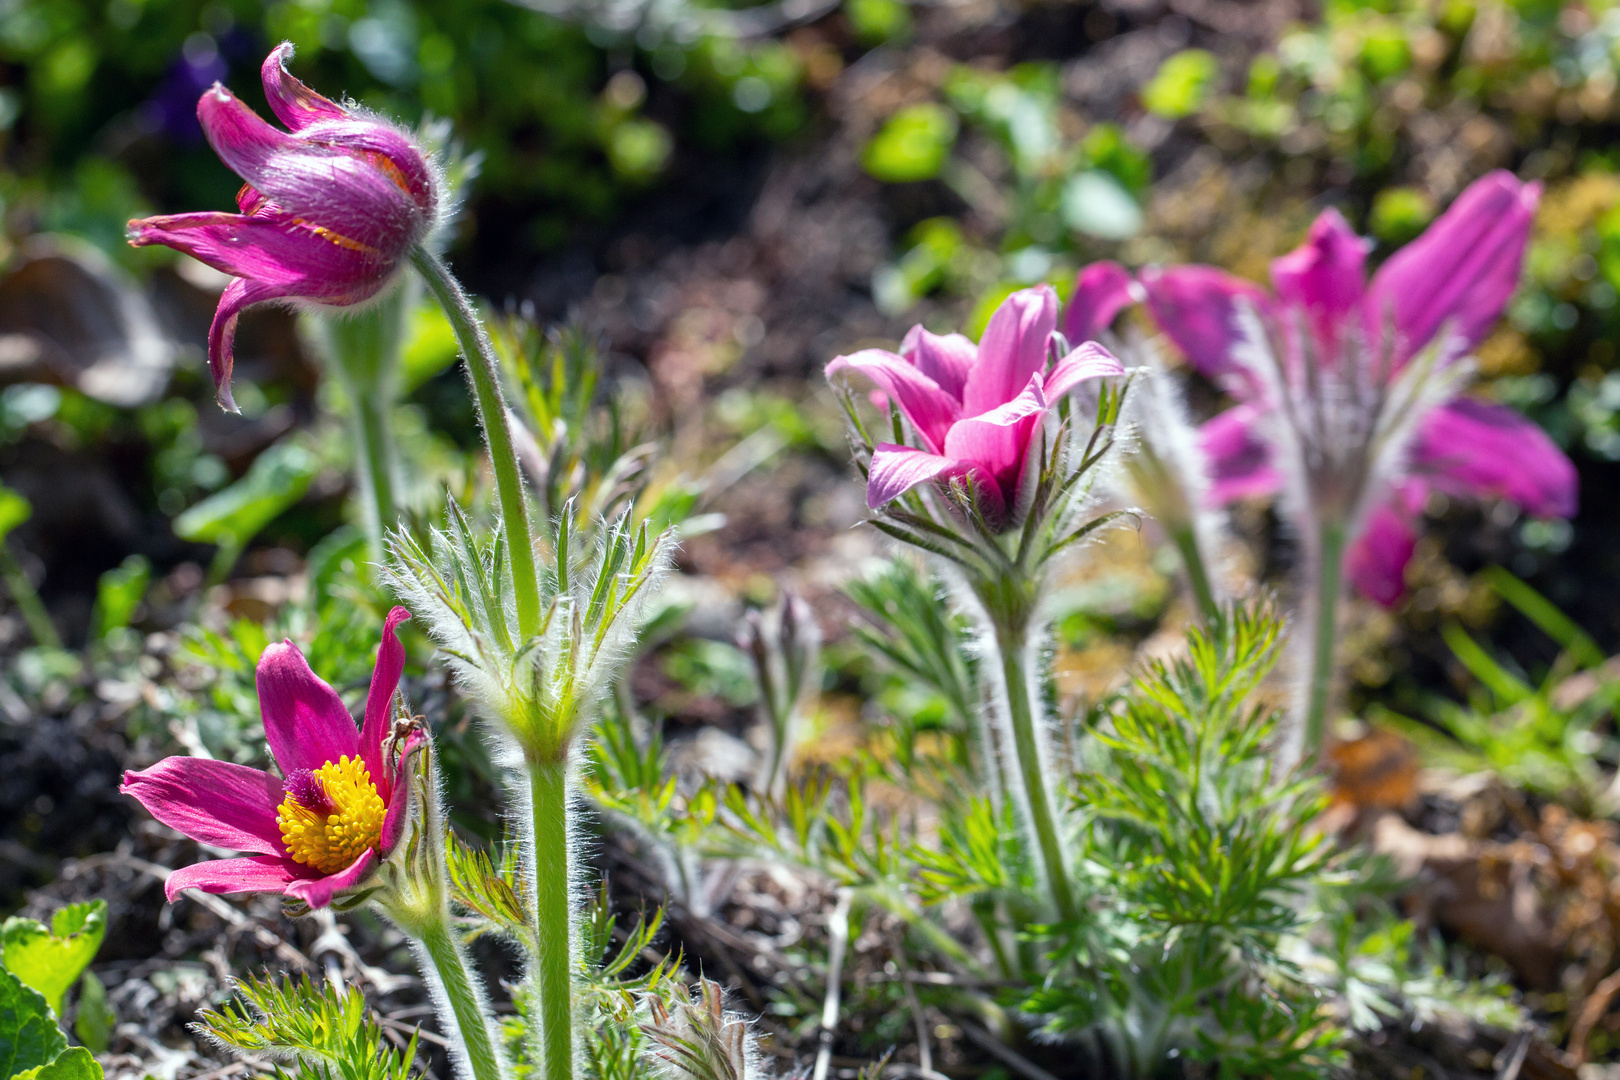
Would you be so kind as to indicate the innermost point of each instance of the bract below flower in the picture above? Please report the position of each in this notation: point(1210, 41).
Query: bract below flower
point(975, 409)
point(329, 213)
point(320, 828)
point(1343, 342)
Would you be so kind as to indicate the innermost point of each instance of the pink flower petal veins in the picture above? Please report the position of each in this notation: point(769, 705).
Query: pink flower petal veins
point(1012, 349)
point(897, 469)
point(379, 702)
point(304, 719)
point(215, 802)
point(945, 358)
point(996, 443)
point(294, 104)
point(317, 892)
point(1089, 361)
point(262, 874)
point(929, 408)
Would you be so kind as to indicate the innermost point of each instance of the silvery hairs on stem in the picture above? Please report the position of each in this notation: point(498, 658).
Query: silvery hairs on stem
point(539, 693)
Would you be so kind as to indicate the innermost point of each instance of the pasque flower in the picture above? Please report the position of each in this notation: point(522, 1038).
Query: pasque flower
point(320, 828)
point(1323, 370)
point(329, 213)
point(976, 410)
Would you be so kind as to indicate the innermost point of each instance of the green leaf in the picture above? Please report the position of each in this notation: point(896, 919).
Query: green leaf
point(14, 510)
point(1097, 204)
point(50, 960)
point(94, 1021)
point(1182, 83)
point(119, 592)
point(76, 1063)
point(278, 479)
point(29, 1036)
point(913, 144)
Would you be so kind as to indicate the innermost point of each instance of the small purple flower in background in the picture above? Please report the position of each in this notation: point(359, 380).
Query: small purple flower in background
point(1350, 386)
point(976, 410)
point(323, 828)
point(329, 212)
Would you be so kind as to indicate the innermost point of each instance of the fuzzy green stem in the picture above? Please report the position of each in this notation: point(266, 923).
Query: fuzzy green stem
point(450, 963)
point(485, 375)
point(29, 605)
point(553, 918)
point(1197, 573)
point(1324, 627)
point(1012, 645)
point(377, 482)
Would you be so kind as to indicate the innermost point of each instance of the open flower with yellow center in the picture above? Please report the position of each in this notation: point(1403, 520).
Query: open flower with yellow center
point(321, 827)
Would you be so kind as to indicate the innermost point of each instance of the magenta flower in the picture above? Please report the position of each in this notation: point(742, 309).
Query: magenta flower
point(329, 212)
point(338, 808)
point(975, 409)
point(1332, 378)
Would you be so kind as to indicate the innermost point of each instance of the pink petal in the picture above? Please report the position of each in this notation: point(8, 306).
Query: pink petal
point(334, 188)
point(929, 408)
point(1101, 292)
point(1237, 456)
point(1376, 560)
point(996, 443)
point(317, 892)
point(1461, 271)
point(294, 104)
point(1324, 277)
point(379, 702)
point(215, 802)
point(1491, 451)
point(1012, 349)
point(239, 295)
point(304, 719)
point(1089, 361)
point(897, 469)
point(271, 248)
point(1196, 307)
point(944, 358)
point(399, 800)
point(256, 875)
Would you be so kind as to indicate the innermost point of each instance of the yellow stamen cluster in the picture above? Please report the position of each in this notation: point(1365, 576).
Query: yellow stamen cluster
point(330, 842)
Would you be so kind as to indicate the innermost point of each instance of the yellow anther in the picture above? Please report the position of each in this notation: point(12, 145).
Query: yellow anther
point(331, 841)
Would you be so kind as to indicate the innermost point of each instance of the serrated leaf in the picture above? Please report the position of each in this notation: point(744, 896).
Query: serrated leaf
point(51, 960)
point(75, 1063)
point(29, 1036)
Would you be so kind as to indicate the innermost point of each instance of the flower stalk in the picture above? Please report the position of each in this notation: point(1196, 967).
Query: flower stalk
point(483, 370)
point(551, 875)
point(1323, 626)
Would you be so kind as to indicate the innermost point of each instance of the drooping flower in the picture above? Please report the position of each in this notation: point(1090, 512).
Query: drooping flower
point(329, 212)
point(1347, 390)
point(975, 409)
point(320, 828)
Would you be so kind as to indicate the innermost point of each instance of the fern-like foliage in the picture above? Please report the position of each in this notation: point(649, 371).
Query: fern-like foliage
point(489, 890)
point(324, 1033)
point(697, 1039)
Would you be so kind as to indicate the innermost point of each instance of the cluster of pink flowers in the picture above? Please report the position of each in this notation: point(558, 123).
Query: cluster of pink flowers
point(973, 409)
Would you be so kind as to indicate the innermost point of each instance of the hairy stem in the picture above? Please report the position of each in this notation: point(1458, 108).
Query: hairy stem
point(1323, 630)
point(1022, 686)
point(485, 376)
point(553, 917)
point(1197, 572)
point(465, 996)
point(377, 480)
